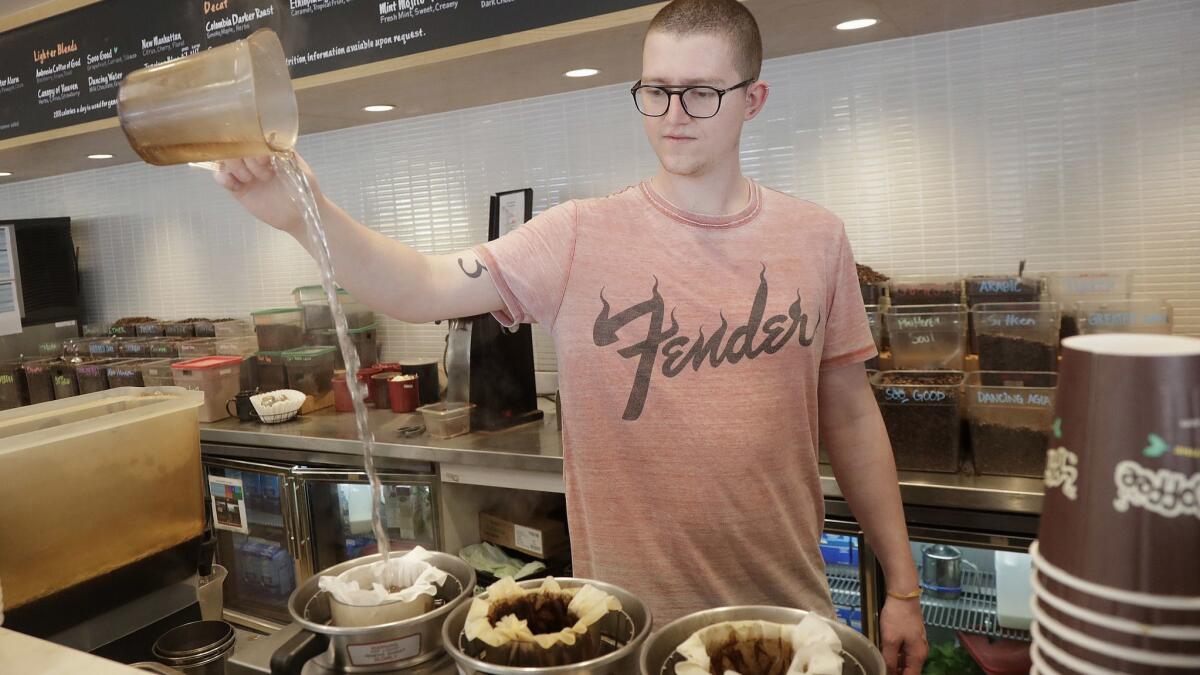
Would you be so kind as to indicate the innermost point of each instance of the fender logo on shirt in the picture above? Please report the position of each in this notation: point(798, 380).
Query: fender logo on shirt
point(679, 351)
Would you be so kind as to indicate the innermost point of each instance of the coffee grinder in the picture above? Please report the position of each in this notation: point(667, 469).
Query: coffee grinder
point(487, 364)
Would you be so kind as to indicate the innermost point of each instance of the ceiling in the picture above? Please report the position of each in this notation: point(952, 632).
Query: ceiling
point(524, 65)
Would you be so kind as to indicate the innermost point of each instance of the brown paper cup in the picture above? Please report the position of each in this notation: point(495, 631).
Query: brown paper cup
point(1122, 505)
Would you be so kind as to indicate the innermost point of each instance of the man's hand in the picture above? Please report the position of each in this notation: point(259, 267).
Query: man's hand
point(902, 629)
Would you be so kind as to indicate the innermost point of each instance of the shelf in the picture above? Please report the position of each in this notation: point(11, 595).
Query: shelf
point(844, 586)
point(972, 612)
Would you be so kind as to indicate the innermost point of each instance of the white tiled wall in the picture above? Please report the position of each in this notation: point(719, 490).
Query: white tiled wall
point(1071, 140)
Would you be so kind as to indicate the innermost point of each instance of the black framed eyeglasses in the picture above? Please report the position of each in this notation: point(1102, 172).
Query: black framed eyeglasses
point(699, 101)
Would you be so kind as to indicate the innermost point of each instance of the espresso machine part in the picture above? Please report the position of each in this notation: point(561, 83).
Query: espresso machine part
point(492, 367)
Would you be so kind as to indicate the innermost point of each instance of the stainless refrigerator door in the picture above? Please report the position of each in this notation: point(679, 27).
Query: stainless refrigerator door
point(256, 538)
point(334, 509)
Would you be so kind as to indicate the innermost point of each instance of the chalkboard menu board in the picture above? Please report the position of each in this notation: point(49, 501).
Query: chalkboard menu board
point(65, 70)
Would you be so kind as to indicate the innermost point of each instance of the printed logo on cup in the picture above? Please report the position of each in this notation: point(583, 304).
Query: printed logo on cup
point(1062, 470)
point(1168, 493)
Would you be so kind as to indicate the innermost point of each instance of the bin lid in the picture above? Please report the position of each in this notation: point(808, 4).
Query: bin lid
point(275, 310)
point(207, 363)
point(353, 331)
point(307, 353)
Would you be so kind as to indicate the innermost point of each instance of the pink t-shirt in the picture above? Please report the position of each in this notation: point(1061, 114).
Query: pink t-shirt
point(689, 349)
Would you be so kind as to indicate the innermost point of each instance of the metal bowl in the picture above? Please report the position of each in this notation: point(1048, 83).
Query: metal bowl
point(618, 658)
point(659, 656)
point(390, 646)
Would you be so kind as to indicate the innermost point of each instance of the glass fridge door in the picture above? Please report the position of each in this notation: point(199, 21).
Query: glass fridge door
point(975, 598)
point(846, 558)
point(335, 515)
point(251, 508)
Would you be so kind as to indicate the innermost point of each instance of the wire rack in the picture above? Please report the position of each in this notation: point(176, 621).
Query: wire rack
point(845, 587)
point(972, 612)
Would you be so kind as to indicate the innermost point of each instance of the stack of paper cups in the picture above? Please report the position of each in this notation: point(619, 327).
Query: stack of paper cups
point(1117, 563)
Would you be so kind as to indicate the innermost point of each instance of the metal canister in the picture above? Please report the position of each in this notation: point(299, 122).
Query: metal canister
point(941, 571)
point(197, 648)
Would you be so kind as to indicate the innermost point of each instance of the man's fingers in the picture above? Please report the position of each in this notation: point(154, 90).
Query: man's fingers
point(891, 655)
point(914, 656)
point(260, 167)
point(239, 169)
point(227, 181)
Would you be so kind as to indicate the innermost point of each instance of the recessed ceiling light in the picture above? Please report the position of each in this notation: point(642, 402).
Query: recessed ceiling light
point(383, 107)
point(5, 174)
point(100, 156)
point(581, 72)
point(855, 24)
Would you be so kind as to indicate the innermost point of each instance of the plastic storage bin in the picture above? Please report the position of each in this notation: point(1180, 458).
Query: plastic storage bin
point(365, 339)
point(39, 380)
point(243, 346)
point(197, 347)
point(925, 291)
point(127, 373)
point(279, 329)
point(216, 376)
point(104, 349)
point(66, 383)
point(93, 376)
point(447, 419)
point(921, 410)
point(1011, 418)
point(317, 315)
point(165, 348)
point(1125, 316)
point(875, 322)
point(272, 371)
point(1069, 288)
point(14, 393)
point(67, 453)
point(310, 370)
point(226, 328)
point(158, 373)
point(927, 337)
point(1017, 335)
point(981, 289)
point(136, 348)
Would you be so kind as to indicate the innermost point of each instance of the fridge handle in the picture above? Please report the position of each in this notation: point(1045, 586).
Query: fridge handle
point(291, 508)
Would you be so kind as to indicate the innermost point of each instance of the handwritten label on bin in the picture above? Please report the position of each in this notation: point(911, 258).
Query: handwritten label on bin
point(906, 395)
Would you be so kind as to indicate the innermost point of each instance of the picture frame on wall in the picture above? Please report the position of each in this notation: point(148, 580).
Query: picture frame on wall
point(509, 210)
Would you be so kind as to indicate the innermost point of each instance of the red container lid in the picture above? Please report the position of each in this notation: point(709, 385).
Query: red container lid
point(207, 363)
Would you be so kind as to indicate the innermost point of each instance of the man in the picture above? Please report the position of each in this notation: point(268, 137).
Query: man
point(704, 326)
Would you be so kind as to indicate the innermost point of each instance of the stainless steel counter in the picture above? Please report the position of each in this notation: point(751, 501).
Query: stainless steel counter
point(534, 451)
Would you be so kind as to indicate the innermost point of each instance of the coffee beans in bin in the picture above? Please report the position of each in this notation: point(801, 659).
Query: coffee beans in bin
point(310, 369)
point(39, 380)
point(1017, 336)
point(1011, 418)
point(13, 390)
point(921, 410)
point(271, 371)
point(279, 329)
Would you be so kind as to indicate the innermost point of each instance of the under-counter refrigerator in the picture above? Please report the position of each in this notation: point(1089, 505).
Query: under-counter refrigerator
point(279, 523)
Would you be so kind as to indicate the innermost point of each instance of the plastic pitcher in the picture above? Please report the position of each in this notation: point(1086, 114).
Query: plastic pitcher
point(231, 101)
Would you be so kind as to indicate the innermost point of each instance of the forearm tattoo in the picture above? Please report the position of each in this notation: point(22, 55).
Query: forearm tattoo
point(479, 269)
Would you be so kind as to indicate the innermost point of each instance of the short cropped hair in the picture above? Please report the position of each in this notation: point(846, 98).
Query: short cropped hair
point(727, 18)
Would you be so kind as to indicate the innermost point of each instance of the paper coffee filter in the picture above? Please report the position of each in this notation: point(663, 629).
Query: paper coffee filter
point(815, 647)
point(366, 585)
point(588, 603)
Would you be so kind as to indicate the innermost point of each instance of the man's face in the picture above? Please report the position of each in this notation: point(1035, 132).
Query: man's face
point(687, 146)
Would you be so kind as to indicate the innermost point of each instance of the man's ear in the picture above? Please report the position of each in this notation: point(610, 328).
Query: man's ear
point(756, 98)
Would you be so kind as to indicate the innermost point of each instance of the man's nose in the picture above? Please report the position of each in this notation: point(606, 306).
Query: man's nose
point(675, 113)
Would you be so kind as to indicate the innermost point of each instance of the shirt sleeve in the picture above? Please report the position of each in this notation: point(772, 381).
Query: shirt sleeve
point(530, 266)
point(848, 336)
